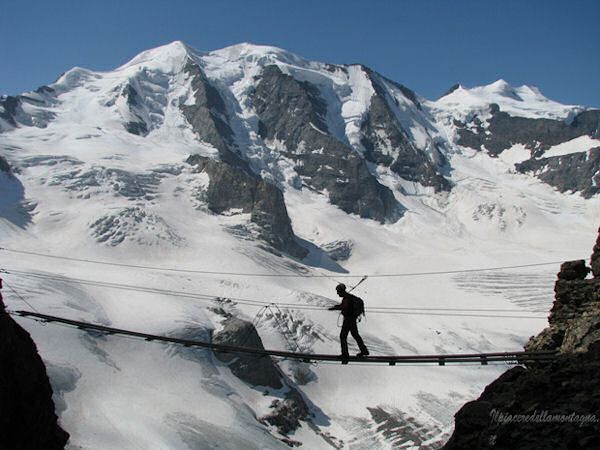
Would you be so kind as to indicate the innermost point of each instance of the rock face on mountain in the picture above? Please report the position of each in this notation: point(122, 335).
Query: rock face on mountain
point(537, 135)
point(576, 172)
point(4, 166)
point(133, 99)
point(233, 189)
point(293, 112)
point(595, 260)
point(30, 109)
point(208, 116)
point(387, 143)
point(546, 405)
point(8, 105)
point(254, 370)
point(286, 412)
point(27, 414)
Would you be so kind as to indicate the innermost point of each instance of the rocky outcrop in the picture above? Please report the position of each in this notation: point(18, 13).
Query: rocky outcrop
point(233, 185)
point(293, 112)
point(550, 407)
point(4, 166)
point(388, 144)
point(339, 250)
point(574, 172)
point(14, 206)
point(287, 411)
point(27, 414)
point(595, 259)
point(8, 109)
point(139, 126)
point(575, 316)
point(233, 189)
point(208, 117)
point(254, 370)
point(29, 109)
point(546, 405)
point(502, 131)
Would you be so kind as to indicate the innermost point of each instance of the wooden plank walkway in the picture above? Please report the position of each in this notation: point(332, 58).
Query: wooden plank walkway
point(442, 359)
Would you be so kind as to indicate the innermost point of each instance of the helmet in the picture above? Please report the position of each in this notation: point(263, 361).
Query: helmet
point(340, 288)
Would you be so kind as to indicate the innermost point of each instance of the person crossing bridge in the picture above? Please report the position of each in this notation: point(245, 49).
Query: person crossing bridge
point(351, 308)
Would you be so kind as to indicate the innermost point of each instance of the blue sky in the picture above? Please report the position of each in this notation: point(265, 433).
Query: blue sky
point(427, 45)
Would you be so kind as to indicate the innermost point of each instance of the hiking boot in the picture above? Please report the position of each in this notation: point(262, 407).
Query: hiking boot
point(362, 353)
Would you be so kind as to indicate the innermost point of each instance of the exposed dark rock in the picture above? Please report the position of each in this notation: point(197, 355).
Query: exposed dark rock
point(573, 270)
point(387, 143)
point(132, 96)
point(546, 405)
point(8, 108)
point(261, 371)
point(588, 122)
point(339, 250)
point(45, 90)
point(4, 166)
point(254, 370)
point(294, 113)
point(11, 109)
point(231, 188)
point(575, 172)
point(576, 299)
point(595, 260)
point(208, 117)
point(27, 414)
point(287, 412)
point(553, 406)
point(538, 135)
point(14, 206)
point(137, 128)
point(133, 99)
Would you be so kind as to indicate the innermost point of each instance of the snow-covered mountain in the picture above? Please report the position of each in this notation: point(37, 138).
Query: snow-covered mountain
point(191, 190)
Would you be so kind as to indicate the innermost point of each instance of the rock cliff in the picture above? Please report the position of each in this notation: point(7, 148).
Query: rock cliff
point(572, 172)
point(547, 405)
point(286, 411)
point(27, 415)
point(293, 112)
point(232, 189)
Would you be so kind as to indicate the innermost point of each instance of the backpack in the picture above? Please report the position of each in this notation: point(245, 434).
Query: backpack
point(358, 306)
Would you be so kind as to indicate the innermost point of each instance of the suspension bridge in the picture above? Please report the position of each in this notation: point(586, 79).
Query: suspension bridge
point(518, 357)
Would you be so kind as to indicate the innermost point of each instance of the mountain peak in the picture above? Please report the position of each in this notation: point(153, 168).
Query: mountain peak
point(503, 89)
point(525, 101)
point(500, 83)
point(264, 54)
point(168, 58)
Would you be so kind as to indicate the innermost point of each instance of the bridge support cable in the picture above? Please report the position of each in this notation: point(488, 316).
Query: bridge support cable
point(483, 358)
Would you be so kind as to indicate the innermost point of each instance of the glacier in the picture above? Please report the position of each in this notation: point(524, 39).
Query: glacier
point(103, 219)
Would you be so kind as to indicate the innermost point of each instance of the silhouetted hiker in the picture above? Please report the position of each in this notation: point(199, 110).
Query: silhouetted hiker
point(351, 308)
